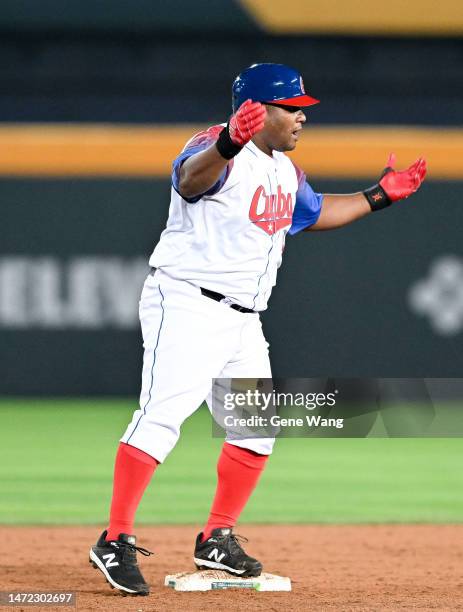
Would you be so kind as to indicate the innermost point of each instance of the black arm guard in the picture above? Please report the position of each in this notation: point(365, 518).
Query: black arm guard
point(225, 145)
point(377, 197)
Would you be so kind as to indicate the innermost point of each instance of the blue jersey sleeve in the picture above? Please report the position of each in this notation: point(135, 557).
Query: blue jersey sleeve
point(308, 204)
point(201, 141)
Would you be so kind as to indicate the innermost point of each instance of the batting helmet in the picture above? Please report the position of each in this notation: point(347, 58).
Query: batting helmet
point(274, 83)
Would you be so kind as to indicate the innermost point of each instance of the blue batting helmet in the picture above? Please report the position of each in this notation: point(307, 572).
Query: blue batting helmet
point(274, 83)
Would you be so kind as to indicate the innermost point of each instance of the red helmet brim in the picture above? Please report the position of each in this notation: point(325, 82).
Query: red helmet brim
point(297, 101)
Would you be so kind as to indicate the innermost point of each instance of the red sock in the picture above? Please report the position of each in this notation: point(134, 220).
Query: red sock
point(238, 471)
point(132, 473)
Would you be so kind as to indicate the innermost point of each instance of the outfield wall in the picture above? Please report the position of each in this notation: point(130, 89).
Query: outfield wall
point(383, 297)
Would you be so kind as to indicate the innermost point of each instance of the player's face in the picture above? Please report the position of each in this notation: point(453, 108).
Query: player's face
point(282, 127)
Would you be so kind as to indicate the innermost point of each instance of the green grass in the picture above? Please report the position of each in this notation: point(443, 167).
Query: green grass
point(56, 465)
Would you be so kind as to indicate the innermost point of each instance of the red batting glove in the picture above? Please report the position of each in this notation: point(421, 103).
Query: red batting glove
point(395, 185)
point(247, 121)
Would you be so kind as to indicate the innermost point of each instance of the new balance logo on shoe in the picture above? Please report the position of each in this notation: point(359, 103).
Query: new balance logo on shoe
point(223, 551)
point(214, 554)
point(117, 561)
point(110, 560)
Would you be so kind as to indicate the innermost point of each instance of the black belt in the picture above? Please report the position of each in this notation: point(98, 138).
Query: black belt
point(218, 297)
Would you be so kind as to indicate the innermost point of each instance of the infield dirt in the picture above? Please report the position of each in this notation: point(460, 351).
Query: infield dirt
point(374, 567)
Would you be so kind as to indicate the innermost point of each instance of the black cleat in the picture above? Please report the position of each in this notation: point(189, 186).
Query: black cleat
point(117, 560)
point(222, 551)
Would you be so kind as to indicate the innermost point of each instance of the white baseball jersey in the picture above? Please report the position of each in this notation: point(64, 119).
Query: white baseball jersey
point(230, 239)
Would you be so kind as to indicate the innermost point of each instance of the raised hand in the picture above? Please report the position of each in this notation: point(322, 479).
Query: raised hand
point(400, 184)
point(396, 184)
point(247, 121)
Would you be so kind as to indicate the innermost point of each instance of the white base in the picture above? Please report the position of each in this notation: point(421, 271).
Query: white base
point(209, 580)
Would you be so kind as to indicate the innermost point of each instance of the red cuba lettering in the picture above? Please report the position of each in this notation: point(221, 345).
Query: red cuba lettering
point(271, 212)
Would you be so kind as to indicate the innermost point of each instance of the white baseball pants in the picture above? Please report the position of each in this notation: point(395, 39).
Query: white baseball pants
point(189, 339)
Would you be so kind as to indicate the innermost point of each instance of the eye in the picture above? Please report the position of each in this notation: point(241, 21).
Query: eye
point(286, 107)
point(290, 109)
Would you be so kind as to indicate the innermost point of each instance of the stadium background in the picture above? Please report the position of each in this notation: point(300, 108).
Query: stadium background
point(95, 101)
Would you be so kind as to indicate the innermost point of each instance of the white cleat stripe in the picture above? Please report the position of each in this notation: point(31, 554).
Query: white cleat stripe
point(214, 565)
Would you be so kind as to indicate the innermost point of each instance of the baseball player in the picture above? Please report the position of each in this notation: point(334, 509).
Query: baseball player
point(235, 197)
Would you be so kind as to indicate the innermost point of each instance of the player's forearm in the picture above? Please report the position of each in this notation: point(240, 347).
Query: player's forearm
point(339, 210)
point(201, 171)
point(394, 185)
